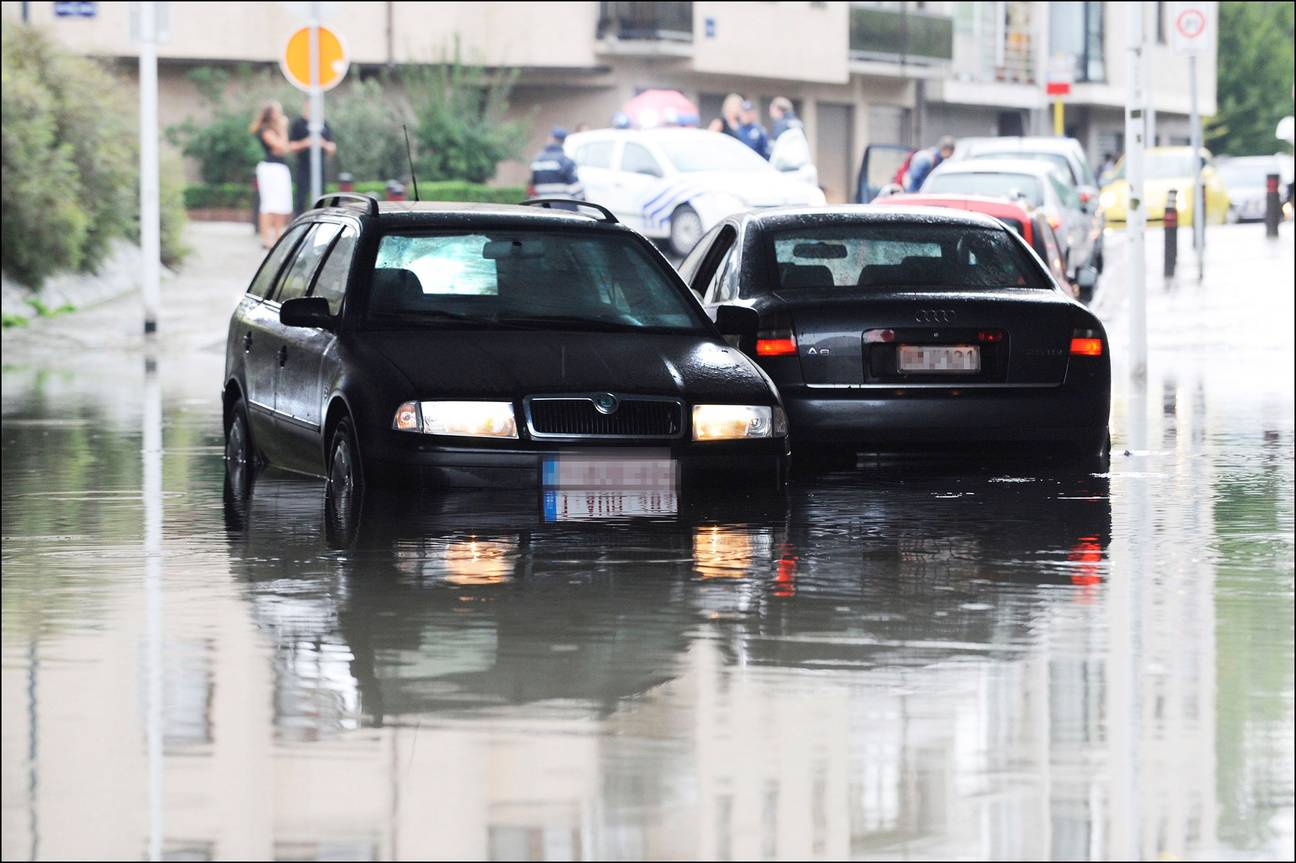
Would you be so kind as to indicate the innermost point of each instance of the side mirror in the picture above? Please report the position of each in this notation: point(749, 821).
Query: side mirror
point(306, 312)
point(737, 321)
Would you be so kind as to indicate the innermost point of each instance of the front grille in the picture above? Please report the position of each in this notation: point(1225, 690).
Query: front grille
point(633, 418)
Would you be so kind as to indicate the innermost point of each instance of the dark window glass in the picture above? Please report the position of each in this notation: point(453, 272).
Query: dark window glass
point(265, 277)
point(299, 275)
point(884, 256)
point(636, 159)
point(516, 277)
point(688, 268)
point(332, 280)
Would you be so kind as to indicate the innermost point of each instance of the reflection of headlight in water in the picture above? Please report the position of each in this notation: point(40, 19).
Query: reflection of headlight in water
point(480, 561)
point(720, 552)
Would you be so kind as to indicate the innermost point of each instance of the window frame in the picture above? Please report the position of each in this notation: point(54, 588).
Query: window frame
point(328, 257)
point(291, 255)
point(277, 297)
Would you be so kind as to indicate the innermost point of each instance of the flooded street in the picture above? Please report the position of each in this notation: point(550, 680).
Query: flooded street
point(918, 659)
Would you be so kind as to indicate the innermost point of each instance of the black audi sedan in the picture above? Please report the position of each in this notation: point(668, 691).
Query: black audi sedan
point(469, 344)
point(909, 328)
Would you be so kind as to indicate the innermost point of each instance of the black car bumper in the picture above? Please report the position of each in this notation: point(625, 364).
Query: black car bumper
point(401, 458)
point(1055, 416)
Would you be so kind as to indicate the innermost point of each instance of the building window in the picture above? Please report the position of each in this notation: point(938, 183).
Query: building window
point(1076, 30)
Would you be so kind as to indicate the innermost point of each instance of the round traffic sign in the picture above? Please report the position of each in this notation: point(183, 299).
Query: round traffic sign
point(296, 64)
point(1191, 23)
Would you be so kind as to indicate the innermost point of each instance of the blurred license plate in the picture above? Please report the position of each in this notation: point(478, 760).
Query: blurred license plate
point(955, 359)
point(563, 504)
point(620, 471)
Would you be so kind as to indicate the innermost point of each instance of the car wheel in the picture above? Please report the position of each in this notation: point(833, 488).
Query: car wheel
point(345, 473)
point(685, 230)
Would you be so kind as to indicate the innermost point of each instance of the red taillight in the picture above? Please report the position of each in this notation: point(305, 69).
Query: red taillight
point(990, 336)
point(775, 347)
point(530, 191)
point(1086, 347)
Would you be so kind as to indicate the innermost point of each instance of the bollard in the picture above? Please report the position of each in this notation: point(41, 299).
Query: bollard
point(1171, 234)
point(1273, 207)
point(346, 182)
point(395, 190)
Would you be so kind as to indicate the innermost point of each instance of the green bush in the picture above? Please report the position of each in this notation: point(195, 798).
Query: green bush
point(446, 190)
point(70, 160)
point(366, 120)
point(460, 129)
point(204, 196)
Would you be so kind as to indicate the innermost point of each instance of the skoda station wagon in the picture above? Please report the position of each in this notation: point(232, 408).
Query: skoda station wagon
point(466, 344)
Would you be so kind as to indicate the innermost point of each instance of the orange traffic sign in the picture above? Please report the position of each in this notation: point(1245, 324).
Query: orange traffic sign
point(296, 64)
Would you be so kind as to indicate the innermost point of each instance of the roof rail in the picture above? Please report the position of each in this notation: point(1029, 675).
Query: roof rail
point(548, 203)
point(342, 199)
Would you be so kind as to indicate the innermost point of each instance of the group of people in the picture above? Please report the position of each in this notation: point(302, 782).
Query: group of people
point(281, 197)
point(785, 146)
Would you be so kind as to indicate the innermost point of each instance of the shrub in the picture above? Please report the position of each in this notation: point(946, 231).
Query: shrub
point(460, 128)
point(203, 196)
point(366, 122)
point(70, 159)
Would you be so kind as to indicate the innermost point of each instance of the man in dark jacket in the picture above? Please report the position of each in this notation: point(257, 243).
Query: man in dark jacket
point(553, 173)
point(299, 142)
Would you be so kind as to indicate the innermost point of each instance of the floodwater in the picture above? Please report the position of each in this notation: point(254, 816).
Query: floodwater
point(905, 659)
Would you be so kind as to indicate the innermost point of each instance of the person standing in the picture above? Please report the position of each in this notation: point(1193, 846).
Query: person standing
point(790, 150)
point(299, 142)
point(752, 133)
point(730, 120)
point(274, 180)
point(924, 162)
point(553, 173)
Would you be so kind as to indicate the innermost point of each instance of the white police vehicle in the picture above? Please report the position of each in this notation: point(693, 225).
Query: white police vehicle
point(675, 184)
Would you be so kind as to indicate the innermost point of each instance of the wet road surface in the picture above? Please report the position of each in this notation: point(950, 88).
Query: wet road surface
point(919, 659)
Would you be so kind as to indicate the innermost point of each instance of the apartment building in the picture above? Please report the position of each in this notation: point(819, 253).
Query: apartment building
point(859, 73)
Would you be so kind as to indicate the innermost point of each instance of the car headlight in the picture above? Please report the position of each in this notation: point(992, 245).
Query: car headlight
point(461, 419)
point(1107, 200)
point(738, 422)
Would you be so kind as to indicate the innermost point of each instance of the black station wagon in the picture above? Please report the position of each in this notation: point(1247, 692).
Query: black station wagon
point(468, 344)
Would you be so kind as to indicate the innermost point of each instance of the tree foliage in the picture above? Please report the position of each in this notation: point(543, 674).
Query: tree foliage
point(70, 160)
point(366, 117)
point(1254, 79)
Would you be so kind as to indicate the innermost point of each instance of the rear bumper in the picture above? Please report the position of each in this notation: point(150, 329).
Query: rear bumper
point(1058, 415)
point(409, 459)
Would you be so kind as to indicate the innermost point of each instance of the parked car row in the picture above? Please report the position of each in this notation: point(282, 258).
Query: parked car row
point(475, 344)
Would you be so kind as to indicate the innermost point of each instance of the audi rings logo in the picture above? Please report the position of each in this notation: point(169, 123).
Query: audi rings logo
point(605, 403)
point(935, 316)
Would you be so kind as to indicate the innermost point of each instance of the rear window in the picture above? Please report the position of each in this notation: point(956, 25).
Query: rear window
point(1022, 187)
point(886, 256)
point(511, 277)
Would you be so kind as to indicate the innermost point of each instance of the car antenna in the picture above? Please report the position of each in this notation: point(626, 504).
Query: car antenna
point(410, 154)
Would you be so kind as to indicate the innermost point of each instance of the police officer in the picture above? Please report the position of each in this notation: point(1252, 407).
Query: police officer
point(553, 173)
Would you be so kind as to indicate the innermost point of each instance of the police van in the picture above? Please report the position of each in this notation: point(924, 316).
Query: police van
point(675, 184)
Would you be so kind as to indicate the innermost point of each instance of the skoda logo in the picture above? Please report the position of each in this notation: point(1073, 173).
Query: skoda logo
point(605, 403)
point(934, 316)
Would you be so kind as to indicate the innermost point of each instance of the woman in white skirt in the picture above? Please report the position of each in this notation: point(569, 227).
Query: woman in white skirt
point(274, 180)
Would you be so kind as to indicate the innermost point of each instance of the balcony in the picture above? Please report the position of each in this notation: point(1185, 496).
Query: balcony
point(646, 22)
point(900, 36)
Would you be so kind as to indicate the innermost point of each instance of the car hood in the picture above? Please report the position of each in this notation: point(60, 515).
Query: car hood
point(449, 363)
point(755, 188)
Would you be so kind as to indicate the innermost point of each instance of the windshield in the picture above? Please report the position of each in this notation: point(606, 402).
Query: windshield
point(523, 278)
point(889, 255)
point(1057, 160)
point(710, 152)
point(1015, 186)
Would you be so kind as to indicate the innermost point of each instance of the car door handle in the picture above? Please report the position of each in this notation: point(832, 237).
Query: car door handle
point(247, 342)
point(283, 356)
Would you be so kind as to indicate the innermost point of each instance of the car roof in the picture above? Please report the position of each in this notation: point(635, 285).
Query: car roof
point(776, 218)
point(449, 213)
point(1032, 143)
point(1034, 167)
point(997, 207)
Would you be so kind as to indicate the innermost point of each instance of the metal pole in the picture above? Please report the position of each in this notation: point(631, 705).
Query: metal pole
point(316, 124)
point(150, 225)
point(1199, 199)
point(1136, 219)
point(1059, 123)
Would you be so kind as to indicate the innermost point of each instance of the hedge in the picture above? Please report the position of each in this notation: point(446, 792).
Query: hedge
point(203, 196)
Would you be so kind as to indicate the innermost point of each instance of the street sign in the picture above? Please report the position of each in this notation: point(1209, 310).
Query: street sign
point(76, 10)
point(296, 59)
point(1061, 74)
point(1192, 27)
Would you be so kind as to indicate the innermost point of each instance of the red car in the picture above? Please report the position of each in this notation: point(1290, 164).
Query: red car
point(1032, 225)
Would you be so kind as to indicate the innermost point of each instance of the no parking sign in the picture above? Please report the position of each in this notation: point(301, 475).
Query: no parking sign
point(1192, 27)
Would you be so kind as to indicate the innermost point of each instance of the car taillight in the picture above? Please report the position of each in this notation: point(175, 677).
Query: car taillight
point(990, 336)
point(530, 191)
point(778, 341)
point(1086, 343)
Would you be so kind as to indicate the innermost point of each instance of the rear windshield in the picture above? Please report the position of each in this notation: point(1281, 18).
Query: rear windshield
point(1019, 187)
point(887, 256)
point(525, 278)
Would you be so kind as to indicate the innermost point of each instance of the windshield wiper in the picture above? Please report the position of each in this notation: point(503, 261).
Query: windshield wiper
point(584, 323)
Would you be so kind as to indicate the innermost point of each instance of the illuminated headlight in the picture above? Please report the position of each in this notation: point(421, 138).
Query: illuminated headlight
point(737, 422)
point(461, 419)
point(1107, 200)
